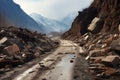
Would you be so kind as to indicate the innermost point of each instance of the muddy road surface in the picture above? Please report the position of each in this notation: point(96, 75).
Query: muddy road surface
point(63, 64)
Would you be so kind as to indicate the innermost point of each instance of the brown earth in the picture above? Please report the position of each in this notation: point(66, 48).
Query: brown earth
point(107, 10)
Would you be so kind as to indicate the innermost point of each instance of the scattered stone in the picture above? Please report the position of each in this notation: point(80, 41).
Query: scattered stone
point(115, 45)
point(3, 40)
point(50, 60)
point(110, 71)
point(18, 46)
point(11, 50)
point(71, 61)
point(32, 72)
point(96, 68)
point(37, 54)
point(42, 65)
point(82, 51)
point(100, 75)
point(93, 24)
point(102, 51)
point(111, 60)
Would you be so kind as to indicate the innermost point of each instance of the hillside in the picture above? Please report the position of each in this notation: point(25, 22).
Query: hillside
point(102, 15)
point(97, 30)
point(11, 14)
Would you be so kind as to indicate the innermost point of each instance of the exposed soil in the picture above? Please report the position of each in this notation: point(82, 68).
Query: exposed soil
point(107, 10)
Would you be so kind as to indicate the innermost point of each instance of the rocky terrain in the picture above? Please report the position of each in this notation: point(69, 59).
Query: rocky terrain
point(93, 53)
point(102, 52)
point(96, 29)
point(18, 46)
point(103, 14)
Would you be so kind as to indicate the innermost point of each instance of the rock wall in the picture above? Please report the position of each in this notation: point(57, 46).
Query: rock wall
point(107, 10)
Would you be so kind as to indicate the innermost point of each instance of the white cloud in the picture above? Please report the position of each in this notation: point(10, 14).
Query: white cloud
point(55, 9)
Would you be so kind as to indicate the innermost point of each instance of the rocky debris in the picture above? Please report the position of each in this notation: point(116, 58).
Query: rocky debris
point(111, 60)
point(102, 54)
point(43, 67)
point(93, 24)
point(4, 39)
point(97, 29)
point(11, 50)
point(101, 16)
point(18, 46)
point(115, 45)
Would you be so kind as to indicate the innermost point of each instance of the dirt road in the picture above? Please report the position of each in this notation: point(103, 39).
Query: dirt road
point(59, 65)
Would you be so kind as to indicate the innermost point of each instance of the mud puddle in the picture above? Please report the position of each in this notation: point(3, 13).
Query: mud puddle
point(62, 71)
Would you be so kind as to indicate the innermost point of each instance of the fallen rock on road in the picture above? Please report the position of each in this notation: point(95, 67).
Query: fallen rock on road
point(102, 49)
point(18, 46)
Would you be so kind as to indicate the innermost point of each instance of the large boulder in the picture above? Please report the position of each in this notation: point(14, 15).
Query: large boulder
point(95, 25)
point(11, 50)
point(115, 45)
point(112, 60)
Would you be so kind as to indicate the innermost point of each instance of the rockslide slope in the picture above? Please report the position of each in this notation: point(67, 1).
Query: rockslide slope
point(108, 13)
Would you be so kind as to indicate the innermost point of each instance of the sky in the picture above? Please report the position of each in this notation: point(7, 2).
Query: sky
point(55, 9)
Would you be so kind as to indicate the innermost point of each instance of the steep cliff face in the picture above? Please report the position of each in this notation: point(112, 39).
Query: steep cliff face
point(108, 11)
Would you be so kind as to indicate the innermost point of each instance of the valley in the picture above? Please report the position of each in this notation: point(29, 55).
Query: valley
point(82, 45)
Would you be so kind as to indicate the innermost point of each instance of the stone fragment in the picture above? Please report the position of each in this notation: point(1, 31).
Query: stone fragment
point(15, 48)
point(4, 39)
point(112, 60)
point(96, 59)
point(1, 58)
point(92, 26)
point(108, 40)
point(11, 50)
point(99, 52)
point(95, 53)
point(37, 54)
point(115, 45)
point(110, 71)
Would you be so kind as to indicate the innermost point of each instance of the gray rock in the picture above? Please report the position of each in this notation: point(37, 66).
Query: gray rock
point(115, 45)
point(112, 60)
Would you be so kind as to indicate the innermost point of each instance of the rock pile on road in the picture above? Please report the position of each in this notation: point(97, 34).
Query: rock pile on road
point(18, 46)
point(102, 51)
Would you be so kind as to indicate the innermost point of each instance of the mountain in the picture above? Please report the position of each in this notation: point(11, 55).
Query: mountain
point(100, 17)
point(50, 25)
point(68, 19)
point(12, 15)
